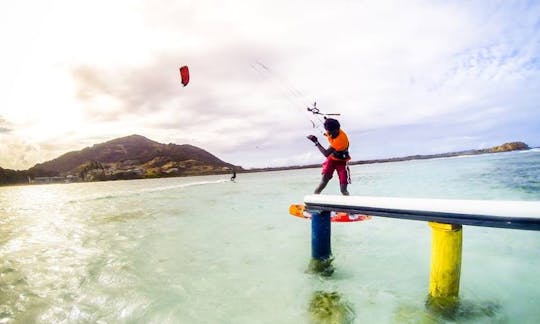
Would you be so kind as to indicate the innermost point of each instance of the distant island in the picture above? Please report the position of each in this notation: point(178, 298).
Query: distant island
point(137, 157)
point(506, 147)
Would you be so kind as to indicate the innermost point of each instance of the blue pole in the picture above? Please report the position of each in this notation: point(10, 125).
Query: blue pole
point(320, 235)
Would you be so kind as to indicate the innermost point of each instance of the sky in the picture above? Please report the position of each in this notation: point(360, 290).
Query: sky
point(406, 77)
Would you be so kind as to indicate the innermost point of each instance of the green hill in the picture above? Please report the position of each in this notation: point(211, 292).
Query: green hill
point(130, 157)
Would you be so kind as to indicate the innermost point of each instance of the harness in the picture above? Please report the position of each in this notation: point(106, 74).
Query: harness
point(341, 146)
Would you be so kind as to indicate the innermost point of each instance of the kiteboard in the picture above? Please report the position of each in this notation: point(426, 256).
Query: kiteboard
point(299, 210)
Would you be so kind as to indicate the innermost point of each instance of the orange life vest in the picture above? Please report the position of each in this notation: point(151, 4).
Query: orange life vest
point(341, 145)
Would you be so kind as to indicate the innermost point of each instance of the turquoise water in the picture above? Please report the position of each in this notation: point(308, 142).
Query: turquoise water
point(207, 250)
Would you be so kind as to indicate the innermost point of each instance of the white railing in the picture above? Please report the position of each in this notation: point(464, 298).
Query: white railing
point(524, 215)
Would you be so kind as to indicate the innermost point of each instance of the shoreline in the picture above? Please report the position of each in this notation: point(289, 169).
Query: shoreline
point(6, 175)
point(496, 149)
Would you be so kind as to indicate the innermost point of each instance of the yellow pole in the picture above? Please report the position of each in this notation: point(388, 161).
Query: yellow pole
point(445, 266)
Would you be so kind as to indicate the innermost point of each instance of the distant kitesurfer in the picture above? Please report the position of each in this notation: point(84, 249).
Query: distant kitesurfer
point(233, 177)
point(337, 156)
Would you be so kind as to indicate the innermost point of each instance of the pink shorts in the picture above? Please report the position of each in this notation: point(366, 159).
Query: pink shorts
point(342, 168)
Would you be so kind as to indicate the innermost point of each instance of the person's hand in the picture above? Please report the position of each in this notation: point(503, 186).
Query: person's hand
point(313, 138)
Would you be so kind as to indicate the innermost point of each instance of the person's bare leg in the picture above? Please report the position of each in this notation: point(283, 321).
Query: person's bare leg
point(323, 184)
point(343, 188)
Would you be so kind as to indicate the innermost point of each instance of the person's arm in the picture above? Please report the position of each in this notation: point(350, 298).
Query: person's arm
point(325, 152)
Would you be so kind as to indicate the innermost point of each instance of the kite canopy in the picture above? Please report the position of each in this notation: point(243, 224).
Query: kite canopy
point(184, 75)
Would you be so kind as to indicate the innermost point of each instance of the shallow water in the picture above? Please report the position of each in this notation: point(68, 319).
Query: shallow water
point(207, 250)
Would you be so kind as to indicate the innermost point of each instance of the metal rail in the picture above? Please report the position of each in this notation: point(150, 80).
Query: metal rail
point(522, 215)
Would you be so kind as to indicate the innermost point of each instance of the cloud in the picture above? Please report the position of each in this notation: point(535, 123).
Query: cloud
point(223, 98)
point(16, 153)
point(5, 127)
point(392, 70)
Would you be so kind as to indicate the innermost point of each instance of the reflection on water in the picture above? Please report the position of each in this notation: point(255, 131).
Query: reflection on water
point(323, 267)
point(457, 309)
point(329, 308)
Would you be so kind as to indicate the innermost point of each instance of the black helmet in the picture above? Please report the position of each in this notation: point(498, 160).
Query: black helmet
point(331, 124)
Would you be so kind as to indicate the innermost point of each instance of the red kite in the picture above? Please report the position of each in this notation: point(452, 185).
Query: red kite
point(184, 75)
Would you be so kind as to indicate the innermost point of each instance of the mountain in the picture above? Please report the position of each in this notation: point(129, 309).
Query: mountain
point(134, 156)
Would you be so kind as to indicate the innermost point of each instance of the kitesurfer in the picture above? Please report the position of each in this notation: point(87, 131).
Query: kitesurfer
point(233, 177)
point(337, 156)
